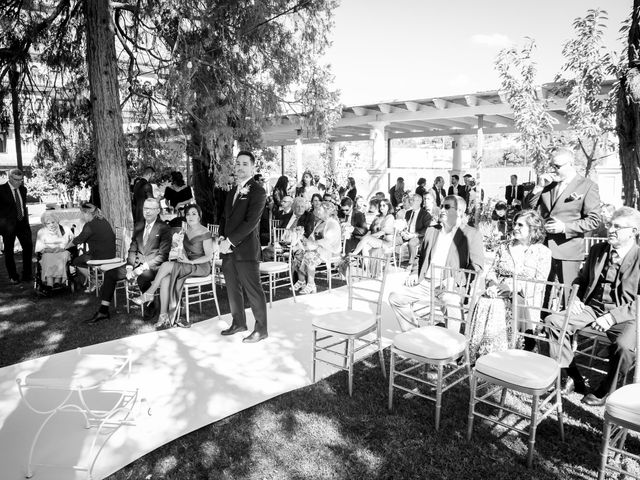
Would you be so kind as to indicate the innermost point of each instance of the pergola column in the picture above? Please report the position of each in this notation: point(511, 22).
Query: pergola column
point(456, 144)
point(380, 158)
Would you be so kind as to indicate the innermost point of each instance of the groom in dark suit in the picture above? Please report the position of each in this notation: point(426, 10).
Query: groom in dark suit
point(456, 245)
point(569, 204)
point(240, 249)
point(150, 246)
point(14, 223)
point(608, 285)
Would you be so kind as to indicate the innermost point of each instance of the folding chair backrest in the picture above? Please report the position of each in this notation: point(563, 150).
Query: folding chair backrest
point(277, 234)
point(213, 228)
point(453, 294)
point(529, 310)
point(366, 277)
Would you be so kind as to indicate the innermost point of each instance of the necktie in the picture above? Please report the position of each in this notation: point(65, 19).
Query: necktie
point(411, 228)
point(145, 235)
point(614, 257)
point(19, 207)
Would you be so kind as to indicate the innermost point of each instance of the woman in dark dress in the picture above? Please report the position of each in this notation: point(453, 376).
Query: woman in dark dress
point(351, 190)
point(279, 191)
point(177, 194)
point(193, 261)
point(98, 235)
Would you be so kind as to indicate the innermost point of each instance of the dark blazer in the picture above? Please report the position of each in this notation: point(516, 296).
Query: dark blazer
point(439, 195)
point(459, 190)
point(8, 208)
point(466, 250)
point(626, 283)
point(512, 193)
point(283, 218)
point(358, 222)
point(141, 191)
point(241, 221)
point(422, 222)
point(577, 207)
point(156, 251)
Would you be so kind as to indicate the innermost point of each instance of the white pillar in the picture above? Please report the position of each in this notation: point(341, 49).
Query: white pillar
point(456, 167)
point(299, 170)
point(379, 161)
point(480, 148)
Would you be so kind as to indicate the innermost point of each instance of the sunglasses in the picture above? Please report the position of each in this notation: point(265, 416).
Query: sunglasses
point(448, 206)
point(557, 167)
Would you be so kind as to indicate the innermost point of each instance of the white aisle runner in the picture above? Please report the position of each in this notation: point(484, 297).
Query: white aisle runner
point(189, 378)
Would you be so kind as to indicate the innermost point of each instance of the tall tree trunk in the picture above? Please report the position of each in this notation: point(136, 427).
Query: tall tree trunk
point(628, 116)
point(14, 78)
point(108, 138)
point(203, 183)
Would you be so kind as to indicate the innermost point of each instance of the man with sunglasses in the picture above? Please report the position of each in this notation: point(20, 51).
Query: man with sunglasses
point(608, 284)
point(455, 245)
point(569, 204)
point(353, 223)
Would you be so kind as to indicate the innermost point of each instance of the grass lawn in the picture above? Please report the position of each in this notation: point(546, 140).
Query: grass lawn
point(317, 432)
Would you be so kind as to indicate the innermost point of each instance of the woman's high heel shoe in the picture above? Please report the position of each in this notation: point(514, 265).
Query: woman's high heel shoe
point(143, 298)
point(163, 321)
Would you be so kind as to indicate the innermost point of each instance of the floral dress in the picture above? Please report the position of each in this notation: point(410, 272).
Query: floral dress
point(491, 318)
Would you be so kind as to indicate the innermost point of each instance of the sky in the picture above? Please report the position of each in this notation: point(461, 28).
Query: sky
point(386, 50)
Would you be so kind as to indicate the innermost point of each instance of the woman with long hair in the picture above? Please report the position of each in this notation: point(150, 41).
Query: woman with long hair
point(351, 191)
point(524, 255)
point(194, 260)
point(279, 192)
point(178, 194)
point(381, 231)
point(306, 188)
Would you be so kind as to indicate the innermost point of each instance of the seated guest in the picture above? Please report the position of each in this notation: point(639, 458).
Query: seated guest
point(381, 231)
point(373, 210)
point(193, 260)
point(51, 242)
point(150, 245)
point(524, 255)
point(285, 212)
point(323, 244)
point(361, 205)
point(418, 219)
point(608, 284)
point(429, 205)
point(499, 220)
point(279, 192)
point(306, 187)
point(606, 212)
point(353, 224)
point(456, 245)
point(98, 235)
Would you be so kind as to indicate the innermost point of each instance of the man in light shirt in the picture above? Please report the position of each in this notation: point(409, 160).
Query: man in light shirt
point(455, 245)
point(418, 219)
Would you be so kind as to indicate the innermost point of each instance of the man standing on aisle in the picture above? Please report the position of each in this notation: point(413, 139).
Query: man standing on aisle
point(240, 249)
point(14, 223)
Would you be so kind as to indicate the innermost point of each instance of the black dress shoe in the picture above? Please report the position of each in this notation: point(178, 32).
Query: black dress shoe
point(594, 401)
point(233, 329)
point(254, 337)
point(97, 317)
point(574, 386)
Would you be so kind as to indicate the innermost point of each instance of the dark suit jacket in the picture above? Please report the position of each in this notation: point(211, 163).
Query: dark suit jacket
point(8, 209)
point(283, 218)
point(459, 190)
point(358, 222)
point(422, 222)
point(626, 284)
point(577, 207)
point(439, 195)
point(241, 221)
point(514, 193)
point(156, 251)
point(466, 250)
point(141, 191)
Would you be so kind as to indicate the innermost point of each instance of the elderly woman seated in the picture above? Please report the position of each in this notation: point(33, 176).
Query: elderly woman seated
point(323, 244)
point(51, 243)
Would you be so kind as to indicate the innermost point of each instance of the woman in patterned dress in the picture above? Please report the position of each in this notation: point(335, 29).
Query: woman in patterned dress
point(523, 255)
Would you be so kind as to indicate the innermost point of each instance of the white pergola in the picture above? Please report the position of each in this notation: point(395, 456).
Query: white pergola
point(477, 114)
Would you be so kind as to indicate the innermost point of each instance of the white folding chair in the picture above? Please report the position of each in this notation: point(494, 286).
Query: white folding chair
point(523, 371)
point(348, 334)
point(213, 228)
point(96, 273)
point(590, 242)
point(621, 414)
point(277, 274)
point(453, 294)
point(198, 290)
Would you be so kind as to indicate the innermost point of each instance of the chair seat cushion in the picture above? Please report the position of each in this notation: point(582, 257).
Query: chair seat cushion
point(520, 367)
point(433, 342)
point(624, 403)
point(347, 322)
point(197, 280)
point(273, 267)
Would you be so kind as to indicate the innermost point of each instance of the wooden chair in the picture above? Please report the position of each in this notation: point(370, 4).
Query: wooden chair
point(526, 372)
point(453, 293)
point(621, 414)
point(347, 334)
